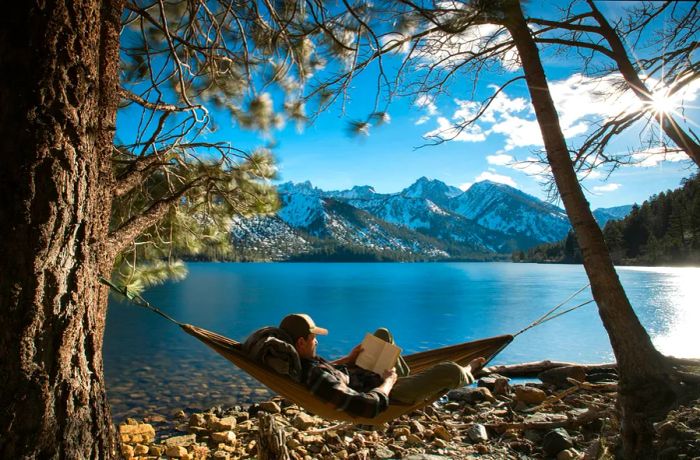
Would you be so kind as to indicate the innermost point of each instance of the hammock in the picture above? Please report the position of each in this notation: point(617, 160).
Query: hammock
point(300, 395)
point(283, 385)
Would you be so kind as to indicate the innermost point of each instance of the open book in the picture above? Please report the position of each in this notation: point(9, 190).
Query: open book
point(377, 355)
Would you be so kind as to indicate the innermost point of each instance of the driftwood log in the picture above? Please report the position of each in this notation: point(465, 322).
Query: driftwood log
point(534, 368)
point(272, 440)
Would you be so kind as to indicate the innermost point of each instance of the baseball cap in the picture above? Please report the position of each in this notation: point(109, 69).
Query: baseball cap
point(300, 325)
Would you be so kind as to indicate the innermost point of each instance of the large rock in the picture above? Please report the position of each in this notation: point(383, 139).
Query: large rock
point(558, 375)
point(529, 395)
point(138, 433)
point(198, 420)
point(556, 441)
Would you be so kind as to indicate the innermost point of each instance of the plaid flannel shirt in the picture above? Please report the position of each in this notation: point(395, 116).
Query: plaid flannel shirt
point(332, 385)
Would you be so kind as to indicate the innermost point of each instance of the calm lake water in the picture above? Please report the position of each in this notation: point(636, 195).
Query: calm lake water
point(153, 368)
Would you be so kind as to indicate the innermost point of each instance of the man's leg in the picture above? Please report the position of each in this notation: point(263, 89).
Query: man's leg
point(401, 367)
point(439, 378)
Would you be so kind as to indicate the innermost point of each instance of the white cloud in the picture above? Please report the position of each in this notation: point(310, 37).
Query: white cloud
point(606, 188)
point(493, 177)
point(426, 102)
point(500, 159)
point(448, 131)
point(653, 157)
point(422, 120)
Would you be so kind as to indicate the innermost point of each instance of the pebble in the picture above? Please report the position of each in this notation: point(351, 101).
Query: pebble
point(477, 433)
point(555, 441)
point(185, 440)
point(431, 433)
point(471, 395)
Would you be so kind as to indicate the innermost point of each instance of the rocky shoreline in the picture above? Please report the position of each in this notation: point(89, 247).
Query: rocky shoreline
point(564, 419)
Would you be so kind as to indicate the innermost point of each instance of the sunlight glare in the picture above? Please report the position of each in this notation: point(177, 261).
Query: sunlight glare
point(681, 338)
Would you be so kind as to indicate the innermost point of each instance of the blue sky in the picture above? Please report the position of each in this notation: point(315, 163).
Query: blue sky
point(394, 155)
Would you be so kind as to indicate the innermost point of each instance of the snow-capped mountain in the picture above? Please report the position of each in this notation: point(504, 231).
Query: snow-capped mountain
point(510, 211)
point(427, 220)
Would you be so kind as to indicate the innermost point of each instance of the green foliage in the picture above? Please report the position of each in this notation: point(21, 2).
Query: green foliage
point(202, 197)
point(664, 230)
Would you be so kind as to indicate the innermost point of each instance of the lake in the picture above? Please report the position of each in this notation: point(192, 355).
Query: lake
point(152, 367)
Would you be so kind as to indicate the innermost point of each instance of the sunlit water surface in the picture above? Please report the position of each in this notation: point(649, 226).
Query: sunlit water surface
point(153, 367)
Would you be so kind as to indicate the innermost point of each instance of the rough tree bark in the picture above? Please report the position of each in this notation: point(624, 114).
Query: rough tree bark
point(59, 63)
point(645, 388)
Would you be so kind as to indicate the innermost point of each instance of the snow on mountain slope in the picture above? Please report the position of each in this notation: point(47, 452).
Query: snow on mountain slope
point(508, 210)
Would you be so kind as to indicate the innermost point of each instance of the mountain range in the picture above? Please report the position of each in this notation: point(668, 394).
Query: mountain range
point(428, 220)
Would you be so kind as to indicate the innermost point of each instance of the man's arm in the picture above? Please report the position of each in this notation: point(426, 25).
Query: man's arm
point(330, 389)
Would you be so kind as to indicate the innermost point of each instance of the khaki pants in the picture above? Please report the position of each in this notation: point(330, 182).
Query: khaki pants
point(437, 379)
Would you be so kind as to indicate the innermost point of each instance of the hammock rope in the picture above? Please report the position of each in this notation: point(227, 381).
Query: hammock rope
point(548, 316)
point(136, 299)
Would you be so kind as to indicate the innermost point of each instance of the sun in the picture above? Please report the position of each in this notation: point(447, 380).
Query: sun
point(662, 102)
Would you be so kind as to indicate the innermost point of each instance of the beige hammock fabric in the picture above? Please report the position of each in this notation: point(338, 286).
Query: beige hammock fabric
point(300, 395)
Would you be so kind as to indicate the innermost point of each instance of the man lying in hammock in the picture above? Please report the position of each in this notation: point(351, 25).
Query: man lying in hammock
point(361, 392)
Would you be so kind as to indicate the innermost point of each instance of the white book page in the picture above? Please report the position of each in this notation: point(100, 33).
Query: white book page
point(377, 355)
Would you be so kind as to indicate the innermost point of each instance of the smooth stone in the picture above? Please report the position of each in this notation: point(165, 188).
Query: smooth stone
point(477, 433)
point(502, 387)
point(529, 395)
point(401, 431)
point(555, 441)
point(440, 443)
point(270, 407)
point(471, 395)
point(175, 451)
point(303, 421)
point(224, 424)
point(226, 437)
point(140, 449)
point(184, 440)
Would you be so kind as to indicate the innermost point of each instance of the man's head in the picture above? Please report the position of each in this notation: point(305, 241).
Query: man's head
point(302, 329)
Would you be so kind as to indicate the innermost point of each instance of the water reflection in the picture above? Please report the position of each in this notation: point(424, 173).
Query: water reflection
point(151, 366)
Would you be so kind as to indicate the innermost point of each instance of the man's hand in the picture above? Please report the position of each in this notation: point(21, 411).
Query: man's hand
point(351, 357)
point(354, 353)
point(390, 378)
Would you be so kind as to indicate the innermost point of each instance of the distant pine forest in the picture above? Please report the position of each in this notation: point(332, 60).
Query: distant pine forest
point(664, 230)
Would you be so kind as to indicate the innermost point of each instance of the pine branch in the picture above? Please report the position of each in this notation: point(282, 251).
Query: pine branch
point(135, 175)
point(125, 234)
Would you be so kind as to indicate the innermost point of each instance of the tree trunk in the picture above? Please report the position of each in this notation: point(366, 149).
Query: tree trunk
point(644, 386)
point(58, 86)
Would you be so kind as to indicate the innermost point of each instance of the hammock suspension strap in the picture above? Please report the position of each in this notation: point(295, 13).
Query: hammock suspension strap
point(137, 299)
point(550, 314)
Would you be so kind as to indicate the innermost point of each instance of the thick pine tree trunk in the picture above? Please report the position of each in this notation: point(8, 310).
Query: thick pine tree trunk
point(645, 390)
point(58, 87)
